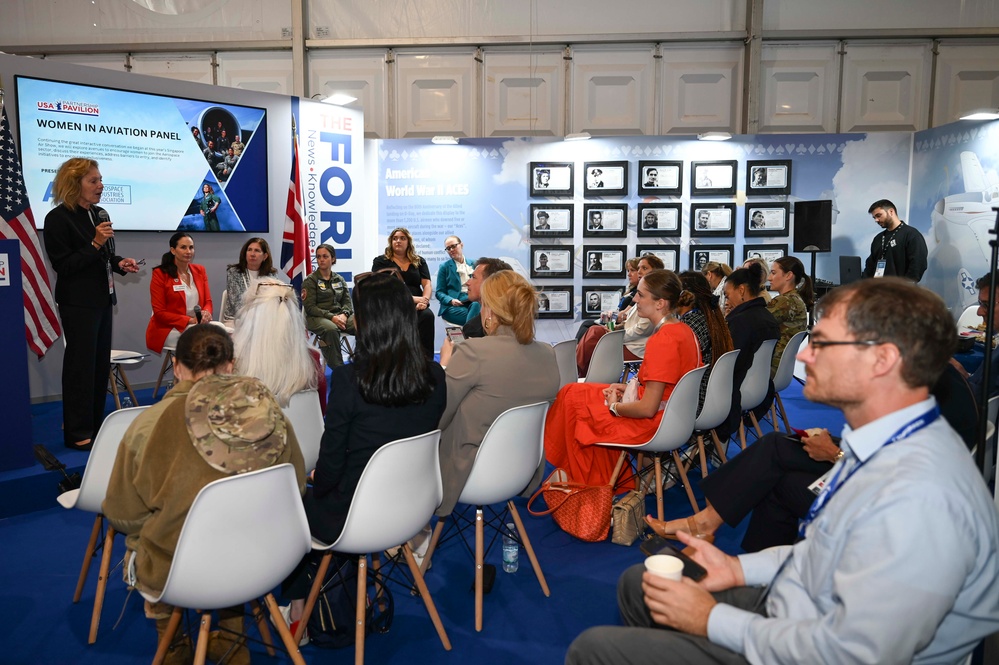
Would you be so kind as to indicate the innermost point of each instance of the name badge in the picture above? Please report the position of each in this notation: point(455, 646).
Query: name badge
point(879, 271)
point(178, 287)
point(817, 487)
point(110, 278)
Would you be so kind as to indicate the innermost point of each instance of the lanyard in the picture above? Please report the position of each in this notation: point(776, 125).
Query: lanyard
point(822, 499)
point(889, 239)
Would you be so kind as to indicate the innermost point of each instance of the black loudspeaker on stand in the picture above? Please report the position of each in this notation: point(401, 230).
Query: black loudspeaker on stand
point(812, 229)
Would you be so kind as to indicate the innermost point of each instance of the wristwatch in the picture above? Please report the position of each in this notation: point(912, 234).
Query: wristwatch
point(838, 457)
point(613, 408)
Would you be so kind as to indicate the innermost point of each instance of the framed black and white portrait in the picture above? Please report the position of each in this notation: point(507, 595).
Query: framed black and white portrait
point(713, 178)
point(701, 255)
point(555, 302)
point(597, 299)
point(601, 261)
point(767, 219)
point(668, 254)
point(768, 177)
point(551, 178)
point(551, 220)
point(605, 179)
point(659, 220)
point(712, 219)
point(551, 261)
point(605, 220)
point(660, 178)
point(768, 253)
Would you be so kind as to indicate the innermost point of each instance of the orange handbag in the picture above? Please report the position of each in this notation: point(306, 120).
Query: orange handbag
point(583, 511)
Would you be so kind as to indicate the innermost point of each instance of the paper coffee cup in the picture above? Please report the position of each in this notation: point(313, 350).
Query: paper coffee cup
point(665, 565)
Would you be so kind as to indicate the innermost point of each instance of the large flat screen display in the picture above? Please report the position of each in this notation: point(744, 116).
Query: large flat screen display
point(159, 156)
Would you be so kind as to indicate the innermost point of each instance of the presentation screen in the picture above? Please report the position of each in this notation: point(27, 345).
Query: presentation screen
point(168, 163)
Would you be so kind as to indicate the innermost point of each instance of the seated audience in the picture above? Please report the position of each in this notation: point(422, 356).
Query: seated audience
point(179, 293)
point(578, 418)
point(484, 268)
point(208, 427)
point(697, 309)
point(983, 284)
point(898, 561)
point(631, 265)
point(764, 293)
point(716, 274)
point(254, 263)
point(452, 283)
point(328, 310)
point(791, 305)
point(400, 253)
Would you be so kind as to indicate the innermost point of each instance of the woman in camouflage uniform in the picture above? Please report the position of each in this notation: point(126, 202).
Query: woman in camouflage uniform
point(792, 304)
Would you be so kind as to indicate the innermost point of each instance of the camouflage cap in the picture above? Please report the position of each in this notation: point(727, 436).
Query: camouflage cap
point(235, 423)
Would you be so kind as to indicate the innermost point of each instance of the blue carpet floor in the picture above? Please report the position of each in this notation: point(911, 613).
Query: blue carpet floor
point(41, 554)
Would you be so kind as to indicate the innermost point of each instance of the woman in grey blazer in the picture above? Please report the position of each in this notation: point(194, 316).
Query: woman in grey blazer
point(488, 375)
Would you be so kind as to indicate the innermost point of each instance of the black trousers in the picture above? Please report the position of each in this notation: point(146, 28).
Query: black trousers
point(85, 369)
point(769, 479)
point(425, 324)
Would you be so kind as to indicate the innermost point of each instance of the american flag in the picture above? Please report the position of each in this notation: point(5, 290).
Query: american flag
point(41, 325)
point(296, 259)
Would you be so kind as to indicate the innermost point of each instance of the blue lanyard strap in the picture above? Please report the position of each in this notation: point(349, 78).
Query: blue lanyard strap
point(837, 481)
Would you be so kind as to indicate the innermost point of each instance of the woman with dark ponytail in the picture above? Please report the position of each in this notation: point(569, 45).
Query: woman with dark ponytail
point(792, 304)
point(698, 309)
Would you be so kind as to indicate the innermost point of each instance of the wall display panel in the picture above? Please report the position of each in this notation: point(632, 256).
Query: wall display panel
point(701, 255)
point(111, 61)
point(194, 68)
point(361, 75)
point(601, 261)
point(967, 78)
point(555, 302)
point(262, 71)
point(435, 93)
point(598, 299)
point(158, 155)
point(768, 178)
point(551, 178)
point(767, 219)
point(660, 178)
point(605, 220)
point(669, 254)
point(712, 219)
point(551, 220)
point(551, 261)
point(524, 94)
point(701, 88)
point(605, 179)
point(716, 178)
point(612, 90)
point(800, 85)
point(768, 253)
point(886, 87)
point(659, 220)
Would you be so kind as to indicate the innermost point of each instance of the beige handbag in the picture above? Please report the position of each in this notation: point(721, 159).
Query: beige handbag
point(627, 518)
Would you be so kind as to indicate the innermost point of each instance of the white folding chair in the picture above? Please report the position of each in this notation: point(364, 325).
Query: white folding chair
point(782, 379)
point(755, 386)
point(505, 463)
point(306, 418)
point(89, 496)
point(607, 361)
point(674, 431)
point(565, 358)
point(118, 380)
point(399, 490)
point(969, 318)
point(717, 405)
point(221, 562)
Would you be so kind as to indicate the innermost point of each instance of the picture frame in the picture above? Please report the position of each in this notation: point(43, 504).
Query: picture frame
point(670, 254)
point(597, 299)
point(660, 178)
point(552, 220)
point(715, 178)
point(605, 220)
point(712, 220)
point(767, 219)
point(605, 179)
point(604, 261)
point(768, 253)
point(552, 261)
point(659, 220)
point(551, 178)
point(555, 302)
point(701, 254)
point(768, 177)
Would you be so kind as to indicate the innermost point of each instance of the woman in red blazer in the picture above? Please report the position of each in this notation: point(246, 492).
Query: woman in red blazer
point(177, 287)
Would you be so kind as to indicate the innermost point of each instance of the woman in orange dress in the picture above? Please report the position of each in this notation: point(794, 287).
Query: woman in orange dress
point(587, 413)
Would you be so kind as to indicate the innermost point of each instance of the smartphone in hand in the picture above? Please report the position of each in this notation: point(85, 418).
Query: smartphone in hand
point(659, 545)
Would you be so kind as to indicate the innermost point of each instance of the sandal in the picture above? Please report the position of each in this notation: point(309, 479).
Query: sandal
point(81, 446)
point(691, 529)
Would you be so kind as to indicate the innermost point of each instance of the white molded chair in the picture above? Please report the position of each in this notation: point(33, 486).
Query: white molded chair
point(969, 318)
point(565, 358)
point(754, 387)
point(225, 301)
point(717, 406)
point(90, 497)
point(504, 465)
point(220, 562)
point(607, 361)
point(782, 379)
point(397, 494)
point(306, 417)
point(118, 379)
point(674, 431)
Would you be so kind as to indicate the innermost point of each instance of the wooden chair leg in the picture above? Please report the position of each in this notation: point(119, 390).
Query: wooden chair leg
point(686, 482)
point(720, 447)
point(128, 386)
point(617, 468)
point(756, 425)
point(362, 602)
point(310, 602)
point(102, 583)
point(742, 434)
point(201, 648)
point(265, 631)
point(167, 357)
point(659, 488)
point(433, 544)
point(479, 556)
point(783, 413)
point(171, 629)
point(290, 643)
point(421, 586)
point(113, 380)
point(773, 414)
point(527, 547)
point(703, 455)
point(88, 556)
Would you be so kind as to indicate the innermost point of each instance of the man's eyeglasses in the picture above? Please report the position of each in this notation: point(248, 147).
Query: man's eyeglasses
point(984, 304)
point(819, 344)
point(448, 248)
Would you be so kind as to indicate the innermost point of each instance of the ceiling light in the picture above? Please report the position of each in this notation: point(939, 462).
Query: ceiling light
point(982, 114)
point(580, 136)
point(444, 140)
point(714, 136)
point(340, 99)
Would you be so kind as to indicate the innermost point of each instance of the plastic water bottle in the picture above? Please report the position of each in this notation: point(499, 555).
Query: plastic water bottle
point(126, 402)
point(511, 551)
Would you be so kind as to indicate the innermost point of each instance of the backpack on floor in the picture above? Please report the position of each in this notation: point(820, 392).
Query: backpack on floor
point(331, 624)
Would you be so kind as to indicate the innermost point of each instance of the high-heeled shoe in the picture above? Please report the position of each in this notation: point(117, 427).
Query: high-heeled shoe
point(81, 446)
point(692, 529)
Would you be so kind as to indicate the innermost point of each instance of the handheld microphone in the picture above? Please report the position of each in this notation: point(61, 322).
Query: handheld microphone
point(103, 216)
point(197, 313)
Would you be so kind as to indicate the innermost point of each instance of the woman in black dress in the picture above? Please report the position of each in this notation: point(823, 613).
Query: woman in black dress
point(401, 254)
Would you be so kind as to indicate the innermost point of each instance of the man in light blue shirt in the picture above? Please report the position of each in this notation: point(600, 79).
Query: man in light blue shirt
point(899, 558)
